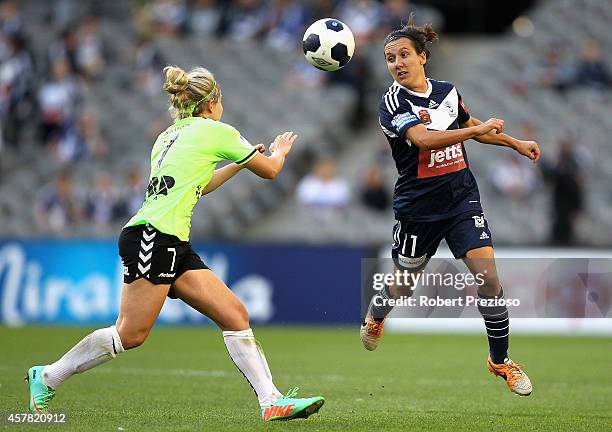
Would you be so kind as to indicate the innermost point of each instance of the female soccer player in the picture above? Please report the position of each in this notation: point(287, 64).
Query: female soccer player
point(158, 259)
point(436, 196)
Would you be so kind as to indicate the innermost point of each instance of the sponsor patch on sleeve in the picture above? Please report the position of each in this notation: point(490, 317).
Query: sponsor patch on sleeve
point(401, 120)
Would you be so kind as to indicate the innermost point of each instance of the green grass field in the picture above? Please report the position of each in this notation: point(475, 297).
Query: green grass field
point(183, 379)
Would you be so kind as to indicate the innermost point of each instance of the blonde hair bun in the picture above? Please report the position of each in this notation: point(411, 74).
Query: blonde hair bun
point(190, 91)
point(176, 80)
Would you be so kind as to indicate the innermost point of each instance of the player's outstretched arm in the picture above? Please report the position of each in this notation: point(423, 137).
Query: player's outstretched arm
point(529, 149)
point(426, 139)
point(225, 173)
point(269, 167)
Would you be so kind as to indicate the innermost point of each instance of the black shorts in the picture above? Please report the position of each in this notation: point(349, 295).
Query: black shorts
point(415, 242)
point(160, 258)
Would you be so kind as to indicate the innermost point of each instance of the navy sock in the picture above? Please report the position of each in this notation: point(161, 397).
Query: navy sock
point(497, 323)
point(379, 313)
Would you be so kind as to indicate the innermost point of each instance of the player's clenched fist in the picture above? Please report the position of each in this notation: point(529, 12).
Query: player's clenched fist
point(261, 148)
point(529, 149)
point(492, 124)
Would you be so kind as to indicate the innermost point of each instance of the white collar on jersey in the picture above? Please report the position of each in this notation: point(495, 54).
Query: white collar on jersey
point(423, 95)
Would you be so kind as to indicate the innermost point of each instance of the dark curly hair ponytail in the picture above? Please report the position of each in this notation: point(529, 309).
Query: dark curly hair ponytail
point(419, 35)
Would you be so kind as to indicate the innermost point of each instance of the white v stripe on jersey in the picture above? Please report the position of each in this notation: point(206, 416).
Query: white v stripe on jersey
point(441, 116)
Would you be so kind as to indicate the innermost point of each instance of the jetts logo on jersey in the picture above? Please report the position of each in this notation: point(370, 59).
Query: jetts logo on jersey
point(439, 162)
point(425, 117)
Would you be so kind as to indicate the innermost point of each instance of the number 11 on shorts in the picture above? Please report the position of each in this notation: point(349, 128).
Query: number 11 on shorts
point(413, 249)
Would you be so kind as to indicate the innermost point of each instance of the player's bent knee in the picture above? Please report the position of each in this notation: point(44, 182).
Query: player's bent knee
point(490, 286)
point(235, 319)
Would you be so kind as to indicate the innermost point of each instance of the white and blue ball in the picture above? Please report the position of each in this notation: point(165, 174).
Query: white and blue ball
point(328, 44)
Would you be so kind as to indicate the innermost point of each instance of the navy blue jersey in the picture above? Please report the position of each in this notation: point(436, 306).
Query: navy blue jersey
point(431, 183)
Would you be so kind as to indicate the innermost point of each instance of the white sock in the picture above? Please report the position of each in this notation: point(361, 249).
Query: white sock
point(248, 356)
point(93, 350)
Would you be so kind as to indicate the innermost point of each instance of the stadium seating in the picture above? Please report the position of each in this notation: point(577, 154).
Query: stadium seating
point(260, 104)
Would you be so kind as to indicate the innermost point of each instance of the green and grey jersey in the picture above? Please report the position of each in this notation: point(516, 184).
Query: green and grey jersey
point(183, 160)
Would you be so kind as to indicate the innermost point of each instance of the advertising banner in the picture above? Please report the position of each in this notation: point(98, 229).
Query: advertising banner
point(79, 282)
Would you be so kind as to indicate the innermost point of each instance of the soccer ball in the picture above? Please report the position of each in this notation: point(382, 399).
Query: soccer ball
point(328, 44)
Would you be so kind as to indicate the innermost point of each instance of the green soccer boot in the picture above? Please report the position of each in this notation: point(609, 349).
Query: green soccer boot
point(40, 394)
point(288, 407)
